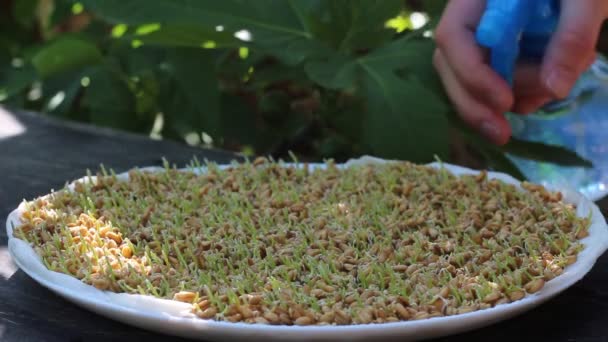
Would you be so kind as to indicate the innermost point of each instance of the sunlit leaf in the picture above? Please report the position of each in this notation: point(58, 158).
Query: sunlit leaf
point(186, 36)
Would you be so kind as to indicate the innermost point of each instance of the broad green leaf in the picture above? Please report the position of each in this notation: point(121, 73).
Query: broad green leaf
point(403, 120)
point(110, 102)
point(265, 76)
point(397, 107)
point(499, 162)
point(545, 153)
point(187, 36)
point(340, 71)
point(294, 51)
point(350, 25)
point(331, 21)
point(276, 16)
point(190, 95)
point(65, 54)
point(367, 29)
point(421, 66)
point(405, 52)
point(260, 16)
point(337, 72)
point(280, 27)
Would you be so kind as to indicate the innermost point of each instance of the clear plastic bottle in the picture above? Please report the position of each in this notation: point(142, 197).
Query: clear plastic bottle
point(578, 123)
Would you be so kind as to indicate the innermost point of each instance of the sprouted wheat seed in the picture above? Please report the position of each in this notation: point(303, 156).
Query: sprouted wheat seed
point(266, 243)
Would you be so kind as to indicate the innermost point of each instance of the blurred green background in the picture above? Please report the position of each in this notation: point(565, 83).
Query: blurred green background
point(321, 78)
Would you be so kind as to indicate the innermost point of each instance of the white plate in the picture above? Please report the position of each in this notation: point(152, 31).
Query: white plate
point(171, 317)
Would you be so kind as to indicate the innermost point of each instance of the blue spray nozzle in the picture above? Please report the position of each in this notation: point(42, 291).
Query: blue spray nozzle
point(513, 29)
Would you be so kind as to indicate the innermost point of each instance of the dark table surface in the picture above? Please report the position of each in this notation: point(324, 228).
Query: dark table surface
point(38, 154)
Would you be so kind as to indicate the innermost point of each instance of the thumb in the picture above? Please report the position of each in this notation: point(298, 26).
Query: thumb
point(573, 45)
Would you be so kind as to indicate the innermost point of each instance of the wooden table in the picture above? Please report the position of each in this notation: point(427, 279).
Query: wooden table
point(38, 154)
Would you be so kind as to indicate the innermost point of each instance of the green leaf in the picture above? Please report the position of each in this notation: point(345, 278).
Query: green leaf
point(545, 153)
point(367, 29)
point(340, 71)
point(110, 102)
point(499, 162)
point(337, 72)
point(186, 36)
point(403, 119)
point(350, 25)
point(397, 107)
point(279, 26)
point(233, 15)
point(295, 51)
point(265, 76)
point(190, 94)
point(404, 52)
point(65, 54)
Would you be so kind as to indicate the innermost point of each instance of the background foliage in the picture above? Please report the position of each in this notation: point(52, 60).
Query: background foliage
point(322, 78)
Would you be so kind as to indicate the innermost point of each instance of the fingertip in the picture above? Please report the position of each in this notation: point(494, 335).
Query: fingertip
point(490, 89)
point(496, 129)
point(559, 81)
point(503, 98)
point(503, 140)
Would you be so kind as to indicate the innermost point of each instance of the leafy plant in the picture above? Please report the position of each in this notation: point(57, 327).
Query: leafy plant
point(322, 78)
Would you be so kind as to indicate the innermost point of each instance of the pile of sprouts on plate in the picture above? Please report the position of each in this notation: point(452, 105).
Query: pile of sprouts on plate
point(271, 243)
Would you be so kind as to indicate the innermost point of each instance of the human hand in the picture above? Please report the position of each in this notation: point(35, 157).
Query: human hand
point(481, 96)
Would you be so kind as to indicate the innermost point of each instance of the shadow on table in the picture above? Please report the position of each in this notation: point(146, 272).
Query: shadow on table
point(30, 312)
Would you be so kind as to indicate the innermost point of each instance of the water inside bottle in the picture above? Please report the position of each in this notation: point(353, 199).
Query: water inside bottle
point(578, 123)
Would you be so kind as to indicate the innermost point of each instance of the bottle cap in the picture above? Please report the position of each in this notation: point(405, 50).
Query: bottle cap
point(516, 29)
